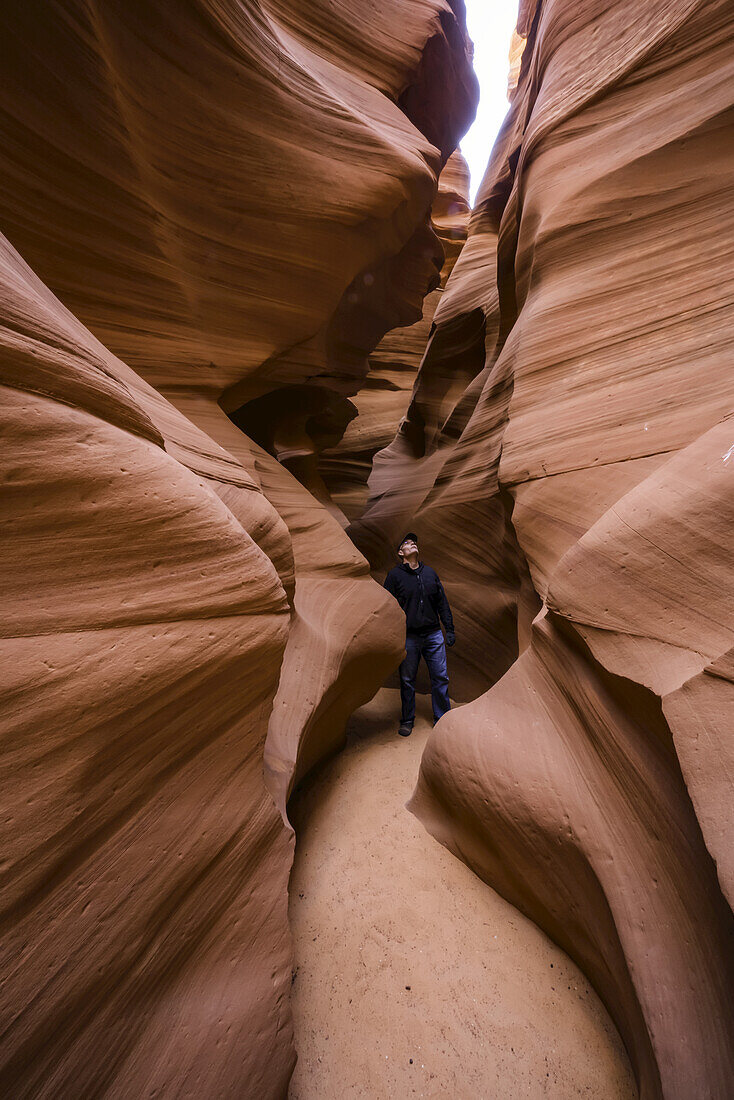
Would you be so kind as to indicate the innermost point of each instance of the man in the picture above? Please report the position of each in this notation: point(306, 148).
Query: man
point(420, 593)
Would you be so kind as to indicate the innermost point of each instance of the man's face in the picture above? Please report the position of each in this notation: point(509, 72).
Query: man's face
point(408, 548)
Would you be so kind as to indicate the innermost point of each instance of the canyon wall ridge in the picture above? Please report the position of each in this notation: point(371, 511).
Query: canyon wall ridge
point(205, 204)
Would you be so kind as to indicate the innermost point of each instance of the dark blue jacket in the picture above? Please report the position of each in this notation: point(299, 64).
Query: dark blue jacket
point(421, 596)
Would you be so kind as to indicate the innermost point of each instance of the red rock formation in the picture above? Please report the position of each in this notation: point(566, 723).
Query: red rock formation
point(205, 185)
point(144, 864)
point(594, 458)
point(377, 409)
point(440, 474)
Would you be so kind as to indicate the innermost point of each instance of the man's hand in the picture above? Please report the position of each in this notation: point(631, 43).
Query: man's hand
point(450, 638)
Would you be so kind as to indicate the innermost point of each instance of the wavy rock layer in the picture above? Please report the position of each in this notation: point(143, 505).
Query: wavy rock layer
point(133, 779)
point(586, 470)
point(441, 475)
point(386, 391)
point(206, 187)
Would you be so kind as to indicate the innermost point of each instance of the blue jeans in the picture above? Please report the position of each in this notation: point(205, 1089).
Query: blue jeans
point(432, 649)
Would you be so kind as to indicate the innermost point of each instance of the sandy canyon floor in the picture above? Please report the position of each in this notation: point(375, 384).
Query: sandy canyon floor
point(413, 978)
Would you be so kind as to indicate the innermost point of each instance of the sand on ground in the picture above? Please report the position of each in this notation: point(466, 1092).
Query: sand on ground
point(412, 977)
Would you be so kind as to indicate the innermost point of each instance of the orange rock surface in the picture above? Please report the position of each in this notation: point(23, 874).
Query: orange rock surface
point(144, 863)
point(386, 391)
point(230, 199)
point(576, 499)
point(215, 211)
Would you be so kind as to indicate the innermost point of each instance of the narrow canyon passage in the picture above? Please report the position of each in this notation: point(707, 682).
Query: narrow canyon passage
point(413, 978)
point(257, 323)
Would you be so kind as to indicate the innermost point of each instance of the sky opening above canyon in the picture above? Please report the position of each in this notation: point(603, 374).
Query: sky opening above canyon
point(490, 23)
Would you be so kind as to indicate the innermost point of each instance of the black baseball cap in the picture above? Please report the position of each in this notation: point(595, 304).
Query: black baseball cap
point(410, 535)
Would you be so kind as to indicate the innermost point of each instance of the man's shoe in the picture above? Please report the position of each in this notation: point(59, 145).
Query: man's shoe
point(405, 730)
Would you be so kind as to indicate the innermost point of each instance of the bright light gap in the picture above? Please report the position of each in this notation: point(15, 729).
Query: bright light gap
point(490, 23)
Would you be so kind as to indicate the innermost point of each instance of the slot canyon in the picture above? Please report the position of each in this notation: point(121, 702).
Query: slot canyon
point(253, 331)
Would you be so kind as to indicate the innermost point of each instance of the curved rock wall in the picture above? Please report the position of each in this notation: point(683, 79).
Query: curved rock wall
point(198, 202)
point(586, 472)
point(206, 186)
point(144, 863)
point(385, 395)
point(441, 475)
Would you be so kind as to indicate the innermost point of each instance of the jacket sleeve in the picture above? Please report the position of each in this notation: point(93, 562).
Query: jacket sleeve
point(444, 611)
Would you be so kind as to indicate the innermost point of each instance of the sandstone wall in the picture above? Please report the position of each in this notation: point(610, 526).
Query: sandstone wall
point(581, 483)
point(381, 403)
point(205, 186)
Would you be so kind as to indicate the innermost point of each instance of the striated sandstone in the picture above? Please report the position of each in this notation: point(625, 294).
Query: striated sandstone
point(440, 474)
point(385, 395)
point(205, 186)
point(136, 214)
point(132, 783)
point(582, 480)
point(236, 199)
point(589, 785)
